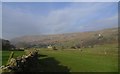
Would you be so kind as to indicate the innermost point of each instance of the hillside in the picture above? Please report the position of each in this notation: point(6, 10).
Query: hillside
point(67, 39)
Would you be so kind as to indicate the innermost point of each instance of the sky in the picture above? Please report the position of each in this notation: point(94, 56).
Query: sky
point(44, 18)
point(60, 0)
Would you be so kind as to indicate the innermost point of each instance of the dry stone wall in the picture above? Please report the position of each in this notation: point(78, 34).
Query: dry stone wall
point(21, 63)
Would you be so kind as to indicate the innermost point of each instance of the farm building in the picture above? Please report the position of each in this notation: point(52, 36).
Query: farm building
point(49, 47)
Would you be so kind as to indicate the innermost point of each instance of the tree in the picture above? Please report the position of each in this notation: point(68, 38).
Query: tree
point(6, 45)
point(54, 48)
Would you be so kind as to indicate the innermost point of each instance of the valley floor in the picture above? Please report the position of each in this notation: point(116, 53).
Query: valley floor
point(98, 59)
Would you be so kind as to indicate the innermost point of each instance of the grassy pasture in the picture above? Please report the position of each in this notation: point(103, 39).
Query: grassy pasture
point(5, 55)
point(89, 60)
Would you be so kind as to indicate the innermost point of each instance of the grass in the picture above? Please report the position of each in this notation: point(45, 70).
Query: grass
point(5, 55)
point(89, 60)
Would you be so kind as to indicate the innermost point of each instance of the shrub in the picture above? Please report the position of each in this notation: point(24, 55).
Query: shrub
point(54, 48)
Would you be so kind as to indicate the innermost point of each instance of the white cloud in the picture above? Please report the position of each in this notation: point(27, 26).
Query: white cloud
point(65, 20)
point(18, 22)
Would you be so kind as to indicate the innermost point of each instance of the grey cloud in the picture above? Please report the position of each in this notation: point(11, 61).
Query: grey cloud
point(17, 22)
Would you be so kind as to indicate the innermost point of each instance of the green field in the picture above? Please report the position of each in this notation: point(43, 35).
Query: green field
point(89, 60)
point(5, 55)
point(98, 59)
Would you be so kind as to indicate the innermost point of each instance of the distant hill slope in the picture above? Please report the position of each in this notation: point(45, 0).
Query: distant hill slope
point(68, 38)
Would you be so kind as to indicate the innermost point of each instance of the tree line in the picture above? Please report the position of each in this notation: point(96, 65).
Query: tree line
point(6, 44)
